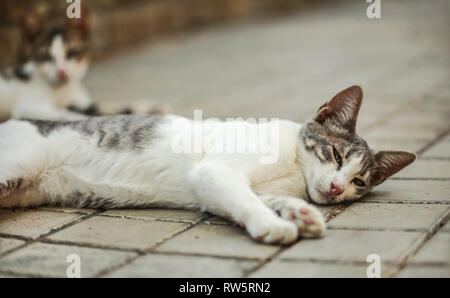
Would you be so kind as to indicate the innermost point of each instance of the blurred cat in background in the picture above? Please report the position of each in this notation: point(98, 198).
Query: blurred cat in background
point(46, 82)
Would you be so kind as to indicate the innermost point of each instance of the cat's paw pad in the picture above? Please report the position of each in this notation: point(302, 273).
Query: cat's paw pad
point(273, 231)
point(308, 219)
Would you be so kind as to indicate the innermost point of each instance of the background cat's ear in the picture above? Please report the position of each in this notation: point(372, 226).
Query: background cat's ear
point(390, 162)
point(81, 25)
point(342, 109)
point(31, 27)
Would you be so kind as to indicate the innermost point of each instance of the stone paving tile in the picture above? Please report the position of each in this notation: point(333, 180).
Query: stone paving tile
point(217, 240)
point(49, 260)
point(440, 150)
point(446, 228)
point(436, 250)
point(66, 210)
point(402, 131)
point(5, 275)
point(216, 220)
point(159, 214)
point(424, 272)
point(423, 114)
point(8, 244)
point(256, 70)
point(387, 216)
point(297, 269)
point(173, 266)
point(325, 209)
point(410, 191)
point(118, 232)
point(346, 245)
point(32, 223)
point(422, 168)
point(386, 143)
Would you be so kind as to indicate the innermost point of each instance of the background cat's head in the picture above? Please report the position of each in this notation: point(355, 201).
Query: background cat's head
point(58, 52)
point(339, 165)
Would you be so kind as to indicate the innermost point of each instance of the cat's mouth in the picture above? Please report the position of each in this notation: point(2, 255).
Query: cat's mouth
point(321, 198)
point(324, 198)
point(59, 82)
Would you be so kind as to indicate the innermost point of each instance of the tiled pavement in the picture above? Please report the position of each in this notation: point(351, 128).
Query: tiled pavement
point(280, 68)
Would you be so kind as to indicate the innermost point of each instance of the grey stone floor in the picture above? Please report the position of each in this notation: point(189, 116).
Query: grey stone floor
point(285, 68)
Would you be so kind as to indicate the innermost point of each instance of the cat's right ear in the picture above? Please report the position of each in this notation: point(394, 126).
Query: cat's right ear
point(342, 109)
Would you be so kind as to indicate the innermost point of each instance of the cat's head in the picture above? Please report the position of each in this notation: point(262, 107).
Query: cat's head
point(58, 52)
point(339, 165)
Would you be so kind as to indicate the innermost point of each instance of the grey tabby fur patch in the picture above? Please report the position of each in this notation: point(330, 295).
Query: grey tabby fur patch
point(124, 132)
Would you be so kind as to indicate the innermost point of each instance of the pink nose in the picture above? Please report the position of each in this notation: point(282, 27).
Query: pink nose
point(62, 75)
point(335, 190)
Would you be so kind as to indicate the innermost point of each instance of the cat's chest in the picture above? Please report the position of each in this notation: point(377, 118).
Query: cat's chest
point(289, 182)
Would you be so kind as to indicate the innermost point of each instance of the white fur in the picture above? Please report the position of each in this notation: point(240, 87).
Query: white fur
point(225, 184)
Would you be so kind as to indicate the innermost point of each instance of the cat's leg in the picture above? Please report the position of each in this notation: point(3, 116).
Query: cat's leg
point(23, 159)
point(308, 219)
point(132, 107)
point(224, 192)
point(28, 109)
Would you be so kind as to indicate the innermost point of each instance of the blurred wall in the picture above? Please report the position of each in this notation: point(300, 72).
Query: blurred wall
point(118, 23)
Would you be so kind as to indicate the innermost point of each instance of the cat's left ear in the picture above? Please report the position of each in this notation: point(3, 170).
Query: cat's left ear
point(342, 109)
point(387, 163)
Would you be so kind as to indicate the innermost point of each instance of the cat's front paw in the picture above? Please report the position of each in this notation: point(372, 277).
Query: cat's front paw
point(308, 219)
point(273, 230)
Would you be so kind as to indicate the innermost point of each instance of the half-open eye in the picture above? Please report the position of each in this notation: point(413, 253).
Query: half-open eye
point(74, 53)
point(337, 157)
point(358, 182)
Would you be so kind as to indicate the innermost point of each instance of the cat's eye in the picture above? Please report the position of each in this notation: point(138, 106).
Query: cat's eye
point(73, 53)
point(358, 182)
point(337, 157)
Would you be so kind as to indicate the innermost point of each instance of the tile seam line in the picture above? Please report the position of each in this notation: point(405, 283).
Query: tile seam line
point(51, 232)
point(328, 216)
point(400, 202)
point(223, 257)
point(369, 229)
point(154, 218)
point(418, 244)
point(430, 144)
point(144, 252)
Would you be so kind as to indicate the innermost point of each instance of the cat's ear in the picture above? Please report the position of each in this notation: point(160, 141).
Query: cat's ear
point(81, 25)
point(30, 27)
point(387, 163)
point(342, 109)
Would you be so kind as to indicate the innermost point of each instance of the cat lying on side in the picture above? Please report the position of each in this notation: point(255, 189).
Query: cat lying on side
point(135, 162)
point(46, 83)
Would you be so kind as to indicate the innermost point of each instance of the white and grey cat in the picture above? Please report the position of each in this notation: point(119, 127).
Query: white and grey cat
point(52, 61)
point(47, 81)
point(130, 161)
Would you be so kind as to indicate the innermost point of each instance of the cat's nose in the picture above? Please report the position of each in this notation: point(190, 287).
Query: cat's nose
point(335, 190)
point(62, 75)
